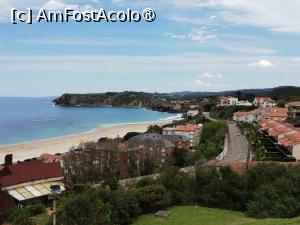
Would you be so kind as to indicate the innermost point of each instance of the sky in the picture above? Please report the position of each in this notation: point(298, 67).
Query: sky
point(193, 45)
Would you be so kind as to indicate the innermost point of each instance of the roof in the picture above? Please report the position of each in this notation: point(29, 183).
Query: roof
point(34, 190)
point(263, 99)
point(29, 171)
point(150, 139)
point(294, 104)
point(189, 127)
point(50, 157)
point(175, 138)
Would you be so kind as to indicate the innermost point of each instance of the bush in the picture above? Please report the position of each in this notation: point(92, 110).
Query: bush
point(152, 198)
point(83, 209)
point(180, 185)
point(36, 209)
point(146, 182)
point(270, 202)
point(15, 213)
point(212, 139)
point(22, 219)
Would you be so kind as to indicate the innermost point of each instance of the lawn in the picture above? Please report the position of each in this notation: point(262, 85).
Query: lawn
point(191, 215)
point(41, 219)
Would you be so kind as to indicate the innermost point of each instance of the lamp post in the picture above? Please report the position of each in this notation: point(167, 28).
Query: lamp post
point(55, 192)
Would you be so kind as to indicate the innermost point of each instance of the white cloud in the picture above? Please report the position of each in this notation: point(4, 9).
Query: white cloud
point(297, 59)
point(252, 50)
point(202, 83)
point(209, 75)
point(200, 36)
point(262, 63)
point(275, 15)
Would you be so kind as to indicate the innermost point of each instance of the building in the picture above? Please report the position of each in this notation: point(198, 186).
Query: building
point(244, 117)
point(292, 143)
point(293, 108)
point(180, 141)
point(28, 181)
point(153, 142)
point(284, 135)
point(50, 158)
point(244, 103)
point(262, 113)
point(228, 101)
point(192, 132)
point(264, 102)
point(192, 113)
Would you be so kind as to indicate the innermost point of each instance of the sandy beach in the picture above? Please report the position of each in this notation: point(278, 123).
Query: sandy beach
point(33, 149)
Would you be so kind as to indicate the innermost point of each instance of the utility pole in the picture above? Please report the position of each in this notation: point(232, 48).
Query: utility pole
point(54, 212)
point(248, 155)
point(55, 192)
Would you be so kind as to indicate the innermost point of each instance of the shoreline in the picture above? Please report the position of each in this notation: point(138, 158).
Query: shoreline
point(62, 144)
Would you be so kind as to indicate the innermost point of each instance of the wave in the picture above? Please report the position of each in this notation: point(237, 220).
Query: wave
point(43, 120)
point(176, 117)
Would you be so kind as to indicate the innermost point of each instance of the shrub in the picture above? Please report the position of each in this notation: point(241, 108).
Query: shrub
point(15, 213)
point(152, 198)
point(36, 209)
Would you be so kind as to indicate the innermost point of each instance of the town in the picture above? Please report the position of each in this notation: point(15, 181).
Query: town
point(215, 133)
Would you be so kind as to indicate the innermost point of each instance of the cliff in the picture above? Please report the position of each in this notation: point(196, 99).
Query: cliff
point(114, 99)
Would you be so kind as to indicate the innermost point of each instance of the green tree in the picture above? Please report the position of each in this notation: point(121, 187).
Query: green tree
point(154, 129)
point(82, 210)
point(152, 198)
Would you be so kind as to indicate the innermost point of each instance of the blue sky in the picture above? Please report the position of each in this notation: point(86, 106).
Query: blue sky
point(195, 45)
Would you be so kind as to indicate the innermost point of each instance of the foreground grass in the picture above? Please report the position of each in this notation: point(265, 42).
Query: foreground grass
point(41, 219)
point(191, 215)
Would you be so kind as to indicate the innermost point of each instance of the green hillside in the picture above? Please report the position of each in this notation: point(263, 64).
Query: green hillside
point(191, 215)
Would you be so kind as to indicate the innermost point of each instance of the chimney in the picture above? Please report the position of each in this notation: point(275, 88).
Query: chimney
point(8, 159)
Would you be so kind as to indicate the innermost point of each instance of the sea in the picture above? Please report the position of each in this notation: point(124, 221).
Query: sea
point(30, 119)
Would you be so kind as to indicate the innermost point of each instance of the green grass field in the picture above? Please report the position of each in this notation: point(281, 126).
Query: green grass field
point(191, 215)
point(41, 219)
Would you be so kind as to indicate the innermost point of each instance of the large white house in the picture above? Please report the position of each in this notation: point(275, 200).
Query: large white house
point(264, 102)
point(192, 132)
point(228, 101)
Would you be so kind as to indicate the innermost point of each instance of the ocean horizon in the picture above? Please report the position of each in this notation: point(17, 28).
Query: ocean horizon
point(28, 119)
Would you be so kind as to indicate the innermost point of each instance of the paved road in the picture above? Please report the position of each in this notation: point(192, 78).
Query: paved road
point(238, 147)
point(207, 116)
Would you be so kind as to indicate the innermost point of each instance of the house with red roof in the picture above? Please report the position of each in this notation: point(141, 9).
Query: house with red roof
point(190, 131)
point(48, 158)
point(292, 143)
point(286, 135)
point(264, 102)
point(293, 108)
point(28, 181)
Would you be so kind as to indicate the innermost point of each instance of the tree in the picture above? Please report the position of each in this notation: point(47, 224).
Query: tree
point(123, 206)
point(148, 165)
point(154, 129)
point(152, 198)
point(270, 202)
point(180, 185)
point(83, 210)
point(220, 188)
point(130, 135)
point(23, 219)
point(179, 156)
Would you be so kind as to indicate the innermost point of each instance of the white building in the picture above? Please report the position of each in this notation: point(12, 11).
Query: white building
point(244, 103)
point(192, 132)
point(264, 102)
point(192, 113)
point(228, 101)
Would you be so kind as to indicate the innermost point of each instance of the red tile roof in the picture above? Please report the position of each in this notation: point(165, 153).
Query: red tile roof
point(263, 99)
point(30, 171)
point(50, 157)
point(189, 127)
point(294, 104)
